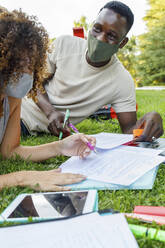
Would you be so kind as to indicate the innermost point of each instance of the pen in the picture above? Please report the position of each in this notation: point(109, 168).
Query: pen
point(67, 113)
point(151, 233)
point(92, 148)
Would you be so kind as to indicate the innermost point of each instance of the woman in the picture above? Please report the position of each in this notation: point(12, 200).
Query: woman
point(23, 46)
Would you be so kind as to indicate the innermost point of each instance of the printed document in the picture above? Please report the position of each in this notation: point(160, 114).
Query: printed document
point(111, 140)
point(116, 166)
point(86, 231)
point(141, 150)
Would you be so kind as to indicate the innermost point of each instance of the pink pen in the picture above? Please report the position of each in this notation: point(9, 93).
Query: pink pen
point(92, 148)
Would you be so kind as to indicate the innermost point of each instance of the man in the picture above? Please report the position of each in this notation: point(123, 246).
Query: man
point(85, 75)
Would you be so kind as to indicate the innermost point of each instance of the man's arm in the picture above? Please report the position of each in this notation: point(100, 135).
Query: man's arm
point(127, 121)
point(44, 104)
point(56, 118)
point(150, 122)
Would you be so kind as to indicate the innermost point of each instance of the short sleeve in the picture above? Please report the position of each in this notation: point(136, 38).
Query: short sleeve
point(125, 96)
point(52, 56)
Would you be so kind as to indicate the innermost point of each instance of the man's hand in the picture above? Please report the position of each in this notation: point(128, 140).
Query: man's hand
point(152, 125)
point(56, 121)
point(56, 118)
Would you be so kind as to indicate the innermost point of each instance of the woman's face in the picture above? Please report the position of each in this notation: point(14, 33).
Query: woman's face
point(21, 88)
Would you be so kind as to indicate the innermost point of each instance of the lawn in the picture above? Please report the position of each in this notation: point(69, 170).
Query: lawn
point(122, 200)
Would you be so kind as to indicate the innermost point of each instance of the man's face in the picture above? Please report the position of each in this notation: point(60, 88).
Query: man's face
point(110, 27)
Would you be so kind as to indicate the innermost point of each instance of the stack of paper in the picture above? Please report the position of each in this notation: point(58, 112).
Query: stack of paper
point(111, 140)
point(86, 231)
point(115, 164)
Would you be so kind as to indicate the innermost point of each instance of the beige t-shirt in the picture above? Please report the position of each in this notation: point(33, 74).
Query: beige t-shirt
point(80, 87)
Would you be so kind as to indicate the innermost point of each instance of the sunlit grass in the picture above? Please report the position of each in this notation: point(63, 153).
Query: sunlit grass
point(121, 200)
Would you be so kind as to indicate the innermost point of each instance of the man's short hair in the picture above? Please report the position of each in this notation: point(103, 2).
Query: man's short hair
point(122, 9)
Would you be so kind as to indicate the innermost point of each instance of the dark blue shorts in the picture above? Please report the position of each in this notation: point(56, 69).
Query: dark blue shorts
point(24, 130)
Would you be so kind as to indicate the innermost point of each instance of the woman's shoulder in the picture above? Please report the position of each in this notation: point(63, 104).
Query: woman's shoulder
point(14, 103)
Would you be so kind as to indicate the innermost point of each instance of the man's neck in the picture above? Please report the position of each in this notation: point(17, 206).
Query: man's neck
point(96, 64)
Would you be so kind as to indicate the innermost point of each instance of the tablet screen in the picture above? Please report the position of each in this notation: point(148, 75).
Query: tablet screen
point(51, 205)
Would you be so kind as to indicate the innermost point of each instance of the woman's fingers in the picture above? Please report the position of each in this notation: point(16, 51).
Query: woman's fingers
point(76, 180)
point(69, 179)
point(92, 140)
point(86, 153)
point(50, 187)
point(84, 149)
point(72, 176)
point(59, 188)
point(58, 170)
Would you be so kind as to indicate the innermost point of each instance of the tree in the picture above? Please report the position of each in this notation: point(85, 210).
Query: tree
point(152, 58)
point(128, 56)
point(155, 14)
point(82, 23)
point(151, 61)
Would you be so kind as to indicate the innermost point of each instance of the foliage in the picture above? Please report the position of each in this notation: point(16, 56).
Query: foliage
point(152, 58)
point(82, 22)
point(121, 200)
point(144, 57)
point(128, 56)
point(155, 14)
point(53, 39)
point(151, 61)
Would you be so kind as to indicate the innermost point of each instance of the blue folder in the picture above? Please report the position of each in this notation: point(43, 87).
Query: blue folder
point(145, 182)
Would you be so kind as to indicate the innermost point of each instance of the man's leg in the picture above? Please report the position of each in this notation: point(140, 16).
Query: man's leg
point(24, 130)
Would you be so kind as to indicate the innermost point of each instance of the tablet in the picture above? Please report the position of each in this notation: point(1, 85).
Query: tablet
point(44, 206)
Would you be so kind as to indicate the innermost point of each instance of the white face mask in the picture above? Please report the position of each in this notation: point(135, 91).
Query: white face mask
point(21, 88)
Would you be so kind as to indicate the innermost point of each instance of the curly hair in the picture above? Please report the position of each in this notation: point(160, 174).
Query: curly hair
point(22, 38)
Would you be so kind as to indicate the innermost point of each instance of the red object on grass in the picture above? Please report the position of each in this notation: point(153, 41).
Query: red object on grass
point(114, 115)
point(78, 31)
point(150, 210)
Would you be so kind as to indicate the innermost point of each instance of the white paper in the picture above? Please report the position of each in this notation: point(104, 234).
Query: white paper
point(116, 166)
point(111, 140)
point(141, 150)
point(87, 231)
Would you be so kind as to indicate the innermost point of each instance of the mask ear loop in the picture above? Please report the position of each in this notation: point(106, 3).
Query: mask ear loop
point(122, 41)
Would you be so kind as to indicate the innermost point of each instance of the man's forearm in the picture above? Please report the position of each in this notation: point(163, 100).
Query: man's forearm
point(129, 130)
point(43, 100)
point(127, 121)
point(55, 118)
point(44, 104)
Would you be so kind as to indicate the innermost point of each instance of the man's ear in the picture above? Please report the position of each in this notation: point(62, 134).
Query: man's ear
point(124, 42)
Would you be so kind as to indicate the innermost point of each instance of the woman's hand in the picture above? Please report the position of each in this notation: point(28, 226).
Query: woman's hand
point(47, 180)
point(76, 145)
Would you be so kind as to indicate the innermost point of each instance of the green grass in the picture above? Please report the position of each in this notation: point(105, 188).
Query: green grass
point(122, 200)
